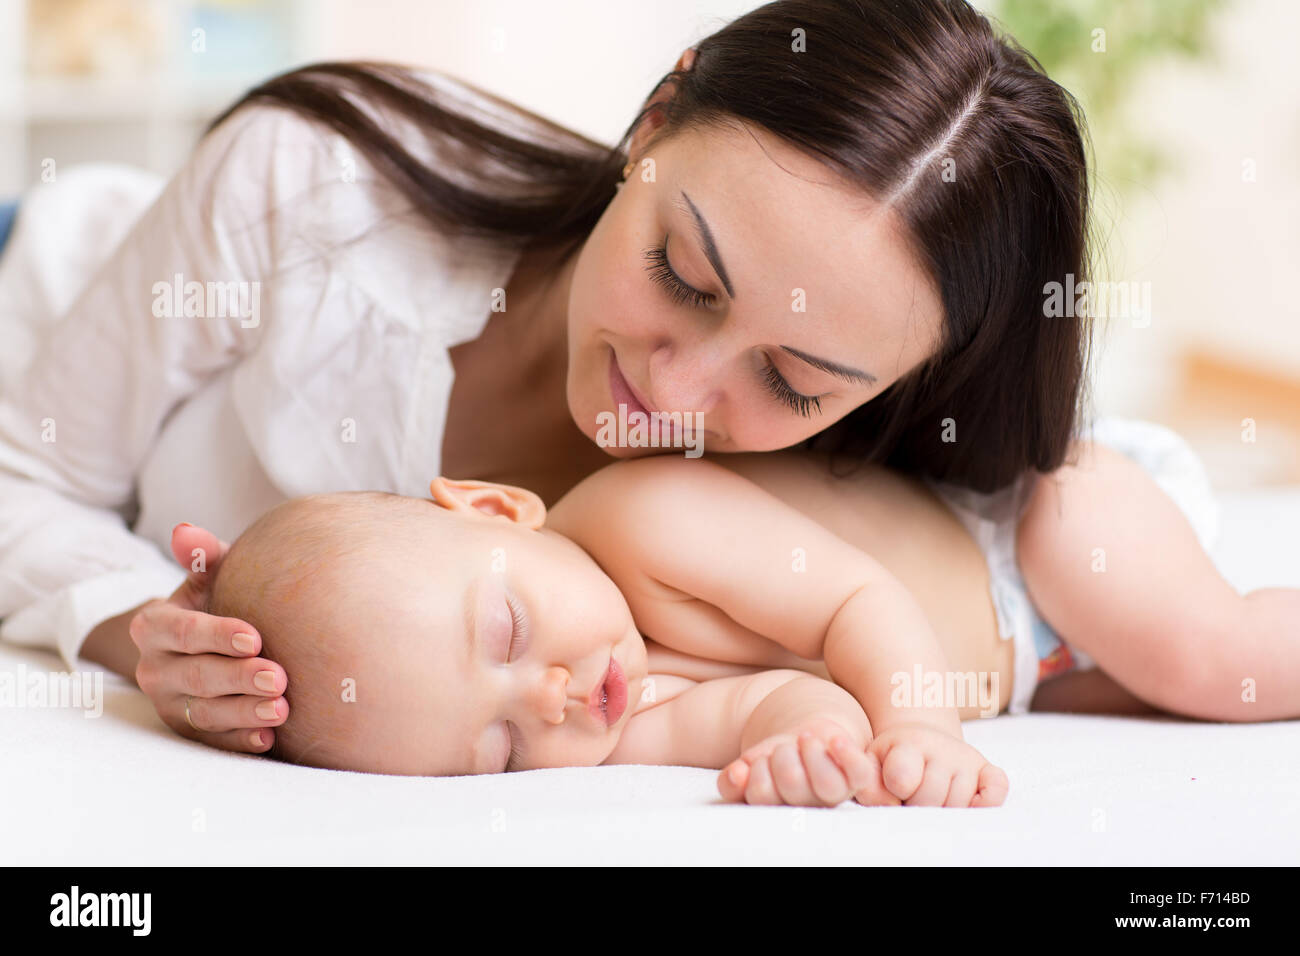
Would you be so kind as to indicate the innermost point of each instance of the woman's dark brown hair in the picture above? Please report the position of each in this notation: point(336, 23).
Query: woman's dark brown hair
point(922, 103)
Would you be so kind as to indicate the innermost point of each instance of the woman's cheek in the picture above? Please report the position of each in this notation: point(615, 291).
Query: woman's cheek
point(608, 301)
point(755, 427)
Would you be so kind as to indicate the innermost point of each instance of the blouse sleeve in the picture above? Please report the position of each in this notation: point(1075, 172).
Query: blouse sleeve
point(178, 300)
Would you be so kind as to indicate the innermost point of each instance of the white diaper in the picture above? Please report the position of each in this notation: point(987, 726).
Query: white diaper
point(992, 520)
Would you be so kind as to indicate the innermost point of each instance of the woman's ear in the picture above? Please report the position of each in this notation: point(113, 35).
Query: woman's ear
point(655, 117)
point(488, 498)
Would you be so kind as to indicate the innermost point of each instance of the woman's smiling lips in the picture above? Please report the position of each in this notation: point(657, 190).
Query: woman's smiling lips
point(608, 699)
point(621, 390)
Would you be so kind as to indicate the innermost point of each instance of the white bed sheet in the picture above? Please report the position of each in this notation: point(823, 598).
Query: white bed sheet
point(122, 789)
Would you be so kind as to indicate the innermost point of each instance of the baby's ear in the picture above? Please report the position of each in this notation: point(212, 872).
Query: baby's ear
point(479, 498)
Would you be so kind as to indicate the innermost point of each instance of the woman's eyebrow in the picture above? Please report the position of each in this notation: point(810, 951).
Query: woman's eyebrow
point(843, 371)
point(706, 238)
point(711, 251)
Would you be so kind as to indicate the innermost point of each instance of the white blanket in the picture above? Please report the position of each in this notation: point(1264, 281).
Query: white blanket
point(122, 789)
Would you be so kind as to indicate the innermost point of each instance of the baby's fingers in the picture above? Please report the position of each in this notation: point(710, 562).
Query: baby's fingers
point(935, 784)
point(903, 770)
point(789, 776)
point(862, 771)
point(760, 790)
point(829, 785)
point(962, 790)
point(732, 780)
point(993, 787)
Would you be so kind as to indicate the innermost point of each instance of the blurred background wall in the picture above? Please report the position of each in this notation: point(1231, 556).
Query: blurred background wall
point(1194, 108)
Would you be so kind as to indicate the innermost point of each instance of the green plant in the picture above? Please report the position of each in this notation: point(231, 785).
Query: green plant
point(1137, 35)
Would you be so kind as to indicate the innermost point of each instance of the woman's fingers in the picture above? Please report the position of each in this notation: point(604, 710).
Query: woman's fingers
point(163, 627)
point(209, 675)
point(241, 741)
point(200, 552)
point(200, 670)
point(196, 549)
point(215, 715)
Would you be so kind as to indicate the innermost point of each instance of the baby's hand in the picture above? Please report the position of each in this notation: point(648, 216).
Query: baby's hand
point(925, 767)
point(816, 764)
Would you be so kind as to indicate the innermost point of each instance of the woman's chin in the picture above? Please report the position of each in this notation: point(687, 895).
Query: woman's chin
point(617, 451)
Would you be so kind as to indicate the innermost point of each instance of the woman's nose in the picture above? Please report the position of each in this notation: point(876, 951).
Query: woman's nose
point(687, 377)
point(550, 695)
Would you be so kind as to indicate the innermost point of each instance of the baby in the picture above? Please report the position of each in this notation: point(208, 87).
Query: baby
point(667, 611)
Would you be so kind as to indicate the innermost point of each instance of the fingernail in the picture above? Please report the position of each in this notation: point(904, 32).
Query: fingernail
point(243, 643)
point(255, 739)
point(266, 710)
point(264, 680)
point(734, 773)
point(184, 524)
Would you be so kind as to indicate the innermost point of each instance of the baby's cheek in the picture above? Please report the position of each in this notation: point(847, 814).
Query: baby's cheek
point(573, 750)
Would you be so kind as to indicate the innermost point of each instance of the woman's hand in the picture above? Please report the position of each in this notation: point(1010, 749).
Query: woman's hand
point(186, 655)
point(815, 764)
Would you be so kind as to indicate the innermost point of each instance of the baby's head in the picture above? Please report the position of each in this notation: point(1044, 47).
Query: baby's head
point(430, 637)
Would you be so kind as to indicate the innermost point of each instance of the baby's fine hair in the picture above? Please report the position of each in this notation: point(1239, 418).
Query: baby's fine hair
point(269, 578)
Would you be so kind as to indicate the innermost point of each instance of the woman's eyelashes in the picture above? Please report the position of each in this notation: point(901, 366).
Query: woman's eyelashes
point(798, 402)
point(662, 272)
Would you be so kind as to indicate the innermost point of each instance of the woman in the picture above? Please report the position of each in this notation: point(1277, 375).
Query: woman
point(840, 227)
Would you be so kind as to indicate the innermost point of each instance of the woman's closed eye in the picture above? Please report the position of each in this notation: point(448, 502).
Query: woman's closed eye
point(798, 402)
point(662, 272)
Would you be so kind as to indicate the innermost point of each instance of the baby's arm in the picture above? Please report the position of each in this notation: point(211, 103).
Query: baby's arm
point(780, 736)
point(715, 566)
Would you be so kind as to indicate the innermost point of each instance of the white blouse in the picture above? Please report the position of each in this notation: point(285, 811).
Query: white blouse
point(121, 417)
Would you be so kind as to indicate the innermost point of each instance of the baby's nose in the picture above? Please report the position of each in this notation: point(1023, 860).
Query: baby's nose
point(552, 695)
